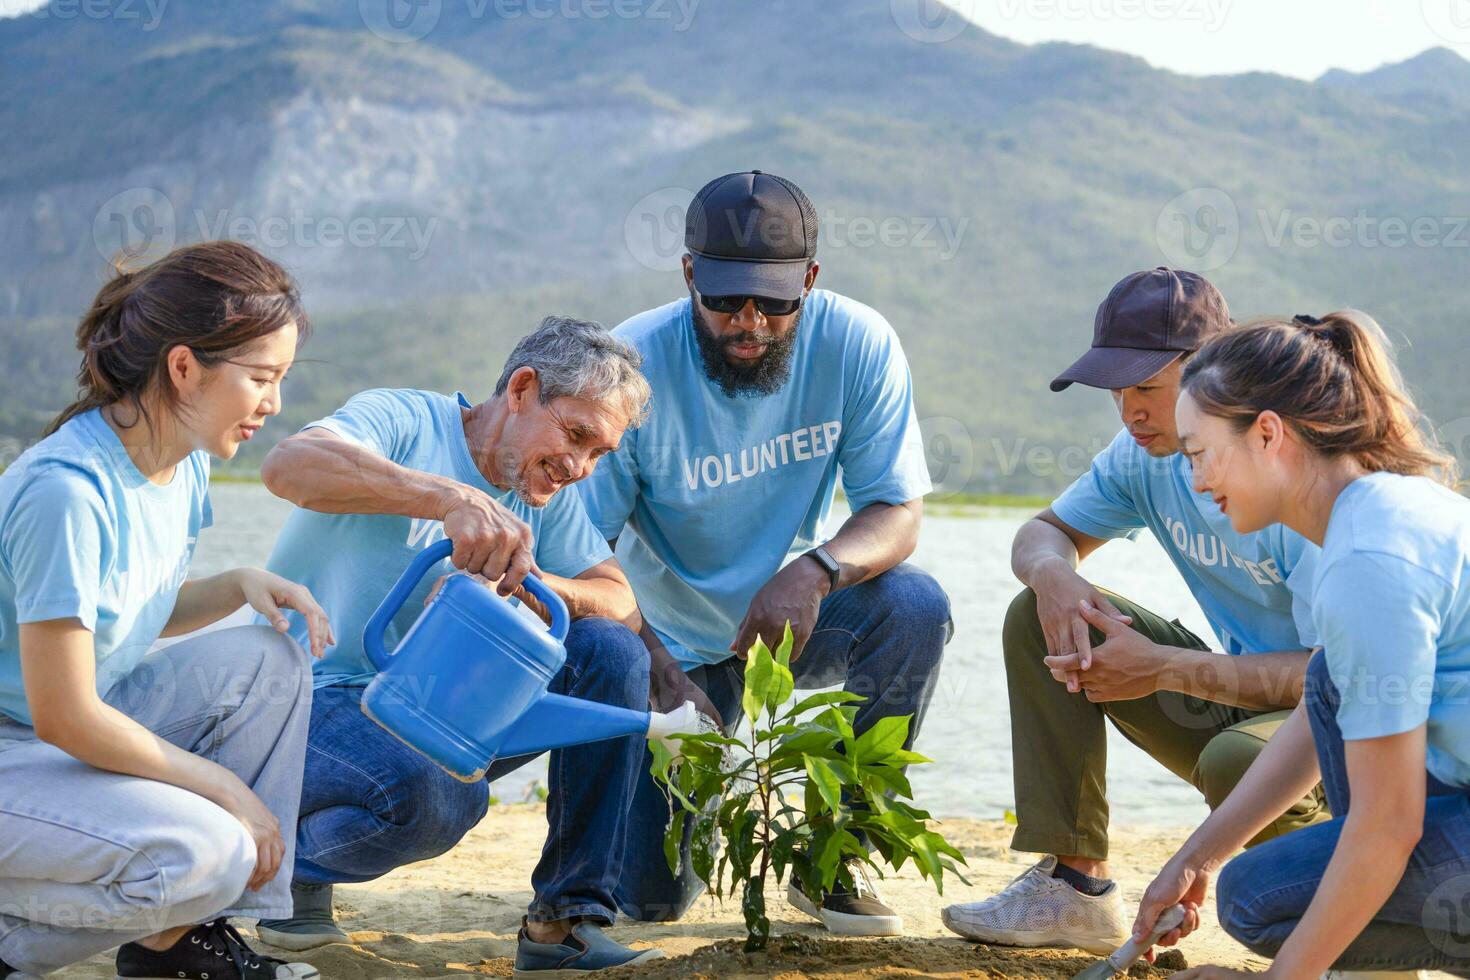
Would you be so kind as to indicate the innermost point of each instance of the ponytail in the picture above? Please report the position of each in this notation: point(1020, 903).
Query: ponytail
point(1331, 379)
point(214, 298)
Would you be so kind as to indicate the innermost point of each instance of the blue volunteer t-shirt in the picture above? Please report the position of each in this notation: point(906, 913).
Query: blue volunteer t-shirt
point(1254, 589)
point(85, 536)
point(1392, 607)
point(713, 494)
point(350, 561)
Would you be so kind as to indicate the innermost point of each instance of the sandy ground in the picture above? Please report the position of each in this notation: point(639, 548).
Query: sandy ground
point(459, 914)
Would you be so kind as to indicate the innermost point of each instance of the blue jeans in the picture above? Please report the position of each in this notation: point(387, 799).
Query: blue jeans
point(1425, 924)
point(371, 804)
point(882, 639)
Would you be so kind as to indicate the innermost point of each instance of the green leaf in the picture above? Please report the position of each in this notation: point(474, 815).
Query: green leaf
point(782, 684)
point(702, 846)
point(760, 672)
point(1010, 818)
point(808, 738)
point(882, 740)
point(783, 649)
point(673, 842)
point(884, 778)
point(765, 735)
point(823, 699)
point(662, 760)
point(825, 778)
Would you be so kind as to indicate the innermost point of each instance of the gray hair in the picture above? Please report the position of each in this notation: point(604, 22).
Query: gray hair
point(581, 359)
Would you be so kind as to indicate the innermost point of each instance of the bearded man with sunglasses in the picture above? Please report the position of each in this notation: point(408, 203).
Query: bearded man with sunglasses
point(764, 390)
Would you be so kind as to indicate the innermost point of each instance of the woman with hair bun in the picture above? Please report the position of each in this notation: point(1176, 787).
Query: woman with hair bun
point(1306, 423)
point(144, 794)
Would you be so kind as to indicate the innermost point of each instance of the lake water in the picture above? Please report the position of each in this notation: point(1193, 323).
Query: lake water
point(967, 731)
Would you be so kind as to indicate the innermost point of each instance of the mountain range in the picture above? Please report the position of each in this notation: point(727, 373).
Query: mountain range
point(440, 174)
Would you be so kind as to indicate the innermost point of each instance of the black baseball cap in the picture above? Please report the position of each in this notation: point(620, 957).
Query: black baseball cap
point(751, 234)
point(1149, 321)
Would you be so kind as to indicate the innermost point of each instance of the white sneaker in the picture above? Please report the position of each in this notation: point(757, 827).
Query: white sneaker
point(1038, 910)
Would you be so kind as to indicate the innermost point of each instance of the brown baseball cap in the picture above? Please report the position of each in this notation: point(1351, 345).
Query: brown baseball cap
point(1149, 320)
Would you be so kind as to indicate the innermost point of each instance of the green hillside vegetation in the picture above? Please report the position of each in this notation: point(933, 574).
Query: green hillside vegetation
point(1025, 181)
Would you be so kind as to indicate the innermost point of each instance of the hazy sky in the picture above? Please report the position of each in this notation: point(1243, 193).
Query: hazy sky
point(1292, 37)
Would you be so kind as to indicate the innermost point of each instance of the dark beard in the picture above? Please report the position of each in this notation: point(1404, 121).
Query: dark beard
point(765, 377)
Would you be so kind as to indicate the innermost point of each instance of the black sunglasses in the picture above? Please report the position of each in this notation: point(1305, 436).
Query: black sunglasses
point(767, 306)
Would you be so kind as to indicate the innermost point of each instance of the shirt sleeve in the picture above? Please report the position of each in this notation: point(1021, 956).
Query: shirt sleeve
point(383, 420)
point(567, 543)
point(880, 449)
point(1101, 501)
point(1379, 619)
point(57, 543)
point(611, 491)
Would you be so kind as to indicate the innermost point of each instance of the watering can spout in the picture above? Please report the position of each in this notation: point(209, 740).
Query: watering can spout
point(555, 721)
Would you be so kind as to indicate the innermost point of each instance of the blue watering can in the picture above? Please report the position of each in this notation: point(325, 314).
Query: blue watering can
point(467, 684)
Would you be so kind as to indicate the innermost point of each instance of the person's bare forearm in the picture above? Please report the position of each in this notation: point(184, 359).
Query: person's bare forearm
point(204, 601)
point(875, 539)
point(605, 597)
point(1258, 681)
point(333, 476)
point(105, 738)
point(1037, 545)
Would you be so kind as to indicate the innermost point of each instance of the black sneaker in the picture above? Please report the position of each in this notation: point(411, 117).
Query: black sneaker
point(859, 912)
point(213, 951)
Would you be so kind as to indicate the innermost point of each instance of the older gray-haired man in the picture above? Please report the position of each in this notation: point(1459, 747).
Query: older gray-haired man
point(386, 475)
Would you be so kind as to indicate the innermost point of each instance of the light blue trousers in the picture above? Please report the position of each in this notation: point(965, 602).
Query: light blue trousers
point(91, 859)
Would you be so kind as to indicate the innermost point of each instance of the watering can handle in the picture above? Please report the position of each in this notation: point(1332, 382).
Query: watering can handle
point(372, 635)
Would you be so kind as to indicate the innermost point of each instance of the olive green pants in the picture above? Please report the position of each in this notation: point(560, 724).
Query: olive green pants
point(1060, 750)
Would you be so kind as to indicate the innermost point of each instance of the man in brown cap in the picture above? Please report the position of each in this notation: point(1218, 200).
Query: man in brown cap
point(1077, 655)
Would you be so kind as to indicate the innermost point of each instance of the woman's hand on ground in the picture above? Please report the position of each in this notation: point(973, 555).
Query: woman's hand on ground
point(268, 593)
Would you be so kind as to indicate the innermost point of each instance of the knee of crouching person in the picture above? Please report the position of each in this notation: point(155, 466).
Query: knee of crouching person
point(607, 651)
point(1223, 763)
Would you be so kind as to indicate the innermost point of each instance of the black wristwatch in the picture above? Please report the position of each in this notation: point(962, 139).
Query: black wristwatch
point(829, 565)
